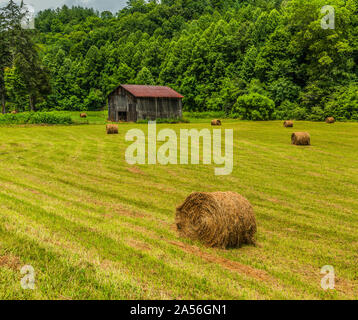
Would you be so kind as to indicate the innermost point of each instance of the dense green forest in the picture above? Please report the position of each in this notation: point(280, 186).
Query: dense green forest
point(253, 59)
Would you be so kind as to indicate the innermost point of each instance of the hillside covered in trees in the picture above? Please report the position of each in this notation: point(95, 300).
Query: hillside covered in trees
point(253, 59)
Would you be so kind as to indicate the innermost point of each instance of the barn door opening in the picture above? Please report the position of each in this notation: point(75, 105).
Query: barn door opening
point(122, 116)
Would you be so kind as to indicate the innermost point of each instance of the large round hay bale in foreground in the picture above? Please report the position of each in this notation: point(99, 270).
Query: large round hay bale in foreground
point(216, 122)
point(112, 129)
point(218, 219)
point(83, 115)
point(330, 120)
point(288, 124)
point(301, 139)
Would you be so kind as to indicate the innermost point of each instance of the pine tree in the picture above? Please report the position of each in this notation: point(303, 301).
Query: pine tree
point(10, 23)
point(4, 60)
point(33, 74)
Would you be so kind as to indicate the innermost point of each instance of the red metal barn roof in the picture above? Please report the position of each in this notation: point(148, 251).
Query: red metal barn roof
point(140, 91)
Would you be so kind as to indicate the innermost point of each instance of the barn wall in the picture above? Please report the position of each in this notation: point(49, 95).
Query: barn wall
point(154, 108)
point(146, 108)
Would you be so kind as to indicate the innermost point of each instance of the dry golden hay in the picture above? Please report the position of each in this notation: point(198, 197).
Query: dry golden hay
point(301, 138)
point(330, 120)
point(112, 129)
point(288, 124)
point(14, 112)
point(216, 122)
point(218, 219)
point(83, 115)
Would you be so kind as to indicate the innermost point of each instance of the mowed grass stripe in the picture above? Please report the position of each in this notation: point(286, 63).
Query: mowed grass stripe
point(58, 276)
point(209, 272)
point(88, 226)
point(303, 226)
point(109, 248)
point(303, 197)
point(126, 233)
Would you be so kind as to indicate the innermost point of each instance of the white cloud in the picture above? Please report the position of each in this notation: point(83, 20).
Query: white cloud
point(101, 5)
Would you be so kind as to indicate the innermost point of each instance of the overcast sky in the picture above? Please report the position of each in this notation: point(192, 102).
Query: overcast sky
point(101, 5)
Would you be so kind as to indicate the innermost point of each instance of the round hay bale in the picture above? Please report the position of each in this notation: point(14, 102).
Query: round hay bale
point(14, 112)
point(112, 129)
point(288, 124)
point(218, 219)
point(216, 122)
point(330, 120)
point(301, 139)
point(83, 115)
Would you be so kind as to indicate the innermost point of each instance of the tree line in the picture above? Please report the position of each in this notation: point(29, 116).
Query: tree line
point(253, 59)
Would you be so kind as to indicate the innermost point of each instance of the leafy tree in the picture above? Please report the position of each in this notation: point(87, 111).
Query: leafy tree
point(15, 89)
point(253, 107)
point(144, 77)
point(343, 104)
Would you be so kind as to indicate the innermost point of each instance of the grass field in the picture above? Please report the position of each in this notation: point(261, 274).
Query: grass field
point(94, 227)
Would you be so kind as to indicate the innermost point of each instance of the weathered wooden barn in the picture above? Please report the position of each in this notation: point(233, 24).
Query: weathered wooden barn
point(137, 102)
